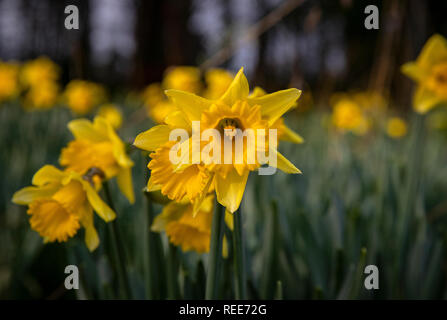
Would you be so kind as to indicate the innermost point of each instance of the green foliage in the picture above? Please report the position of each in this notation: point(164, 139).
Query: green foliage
point(360, 201)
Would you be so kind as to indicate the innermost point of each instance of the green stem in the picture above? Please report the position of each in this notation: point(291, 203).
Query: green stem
point(239, 256)
point(117, 248)
point(172, 272)
point(215, 255)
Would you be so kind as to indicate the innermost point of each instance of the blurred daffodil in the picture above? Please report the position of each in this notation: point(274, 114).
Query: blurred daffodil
point(112, 114)
point(82, 96)
point(96, 145)
point(9, 85)
point(217, 82)
point(233, 110)
point(347, 115)
point(60, 202)
point(43, 95)
point(396, 127)
point(429, 71)
point(183, 228)
point(182, 78)
point(179, 78)
point(39, 70)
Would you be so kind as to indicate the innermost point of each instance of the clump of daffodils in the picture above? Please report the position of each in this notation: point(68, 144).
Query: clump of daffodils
point(429, 71)
point(60, 202)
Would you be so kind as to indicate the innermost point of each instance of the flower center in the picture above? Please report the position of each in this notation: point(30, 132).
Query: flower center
point(227, 126)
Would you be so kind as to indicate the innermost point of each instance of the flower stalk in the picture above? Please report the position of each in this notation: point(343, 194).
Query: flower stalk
point(118, 249)
point(239, 256)
point(215, 255)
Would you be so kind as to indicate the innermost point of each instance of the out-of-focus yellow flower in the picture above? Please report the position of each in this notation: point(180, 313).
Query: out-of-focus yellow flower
point(60, 202)
point(182, 78)
point(39, 70)
point(42, 96)
point(112, 114)
point(82, 96)
point(179, 78)
point(396, 127)
point(9, 85)
point(233, 110)
point(183, 228)
point(97, 145)
point(348, 116)
point(217, 82)
point(430, 73)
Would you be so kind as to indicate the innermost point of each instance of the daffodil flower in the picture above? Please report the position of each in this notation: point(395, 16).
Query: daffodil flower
point(60, 202)
point(96, 145)
point(430, 73)
point(183, 228)
point(235, 109)
point(82, 96)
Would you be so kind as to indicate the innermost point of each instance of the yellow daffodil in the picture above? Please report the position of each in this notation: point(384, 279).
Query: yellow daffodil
point(112, 114)
point(217, 82)
point(429, 71)
point(9, 85)
point(97, 145)
point(183, 228)
point(39, 70)
point(43, 95)
point(179, 78)
point(60, 202)
point(349, 116)
point(233, 110)
point(182, 78)
point(82, 96)
point(396, 127)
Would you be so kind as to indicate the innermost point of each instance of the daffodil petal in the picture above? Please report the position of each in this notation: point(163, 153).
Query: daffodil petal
point(274, 105)
point(290, 135)
point(29, 194)
point(85, 129)
point(46, 174)
point(91, 236)
point(124, 180)
point(434, 51)
point(283, 164)
point(101, 208)
point(230, 190)
point(178, 119)
point(414, 71)
point(238, 89)
point(171, 212)
point(151, 186)
point(191, 104)
point(424, 100)
point(153, 138)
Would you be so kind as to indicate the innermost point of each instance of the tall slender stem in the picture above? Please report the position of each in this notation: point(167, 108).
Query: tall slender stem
point(117, 248)
point(172, 272)
point(215, 255)
point(239, 256)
